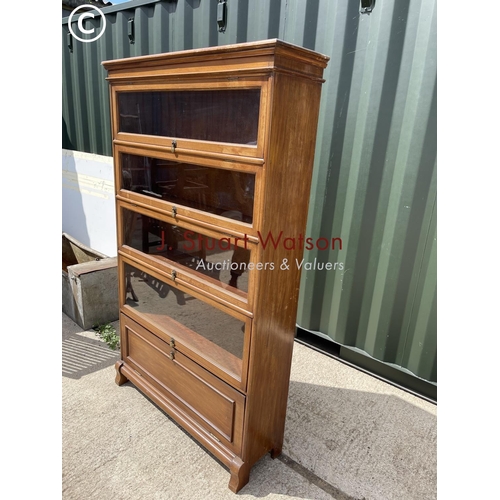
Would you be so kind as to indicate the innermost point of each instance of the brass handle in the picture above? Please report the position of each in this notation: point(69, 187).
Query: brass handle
point(174, 145)
point(172, 355)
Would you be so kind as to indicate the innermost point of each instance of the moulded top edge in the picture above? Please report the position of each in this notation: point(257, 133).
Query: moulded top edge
point(248, 49)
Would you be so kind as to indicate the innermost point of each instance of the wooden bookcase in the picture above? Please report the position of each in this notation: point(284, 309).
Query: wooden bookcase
point(213, 152)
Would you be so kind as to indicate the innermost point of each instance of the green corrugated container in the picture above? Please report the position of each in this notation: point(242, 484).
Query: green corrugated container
point(374, 180)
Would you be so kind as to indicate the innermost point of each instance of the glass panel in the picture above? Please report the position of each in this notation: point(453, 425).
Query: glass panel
point(208, 115)
point(220, 259)
point(214, 190)
point(153, 297)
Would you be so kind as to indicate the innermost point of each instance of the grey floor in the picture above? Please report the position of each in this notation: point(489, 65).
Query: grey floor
point(347, 436)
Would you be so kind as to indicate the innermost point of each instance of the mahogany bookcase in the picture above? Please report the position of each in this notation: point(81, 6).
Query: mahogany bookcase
point(213, 152)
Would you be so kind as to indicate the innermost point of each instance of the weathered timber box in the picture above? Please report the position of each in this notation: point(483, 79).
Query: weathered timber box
point(89, 284)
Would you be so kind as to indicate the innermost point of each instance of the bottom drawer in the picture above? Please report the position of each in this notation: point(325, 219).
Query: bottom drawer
point(213, 404)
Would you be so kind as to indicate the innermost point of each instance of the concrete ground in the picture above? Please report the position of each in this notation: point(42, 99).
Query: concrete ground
point(347, 436)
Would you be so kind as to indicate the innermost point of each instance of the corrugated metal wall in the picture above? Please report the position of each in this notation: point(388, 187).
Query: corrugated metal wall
point(374, 181)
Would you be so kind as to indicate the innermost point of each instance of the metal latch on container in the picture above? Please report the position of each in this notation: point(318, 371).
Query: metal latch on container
point(221, 15)
point(131, 30)
point(367, 6)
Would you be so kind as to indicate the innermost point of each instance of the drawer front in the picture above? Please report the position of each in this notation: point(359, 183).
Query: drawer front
point(213, 404)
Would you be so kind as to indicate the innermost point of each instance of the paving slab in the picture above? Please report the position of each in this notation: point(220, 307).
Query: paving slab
point(366, 437)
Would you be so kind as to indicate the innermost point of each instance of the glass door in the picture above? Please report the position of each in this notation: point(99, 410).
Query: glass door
point(203, 331)
point(225, 118)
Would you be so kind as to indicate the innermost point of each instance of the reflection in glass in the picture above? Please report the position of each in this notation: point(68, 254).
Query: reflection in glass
point(219, 259)
point(209, 115)
point(155, 298)
point(227, 193)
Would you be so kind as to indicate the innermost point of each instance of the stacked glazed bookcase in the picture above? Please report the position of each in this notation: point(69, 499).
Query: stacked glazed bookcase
point(213, 152)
